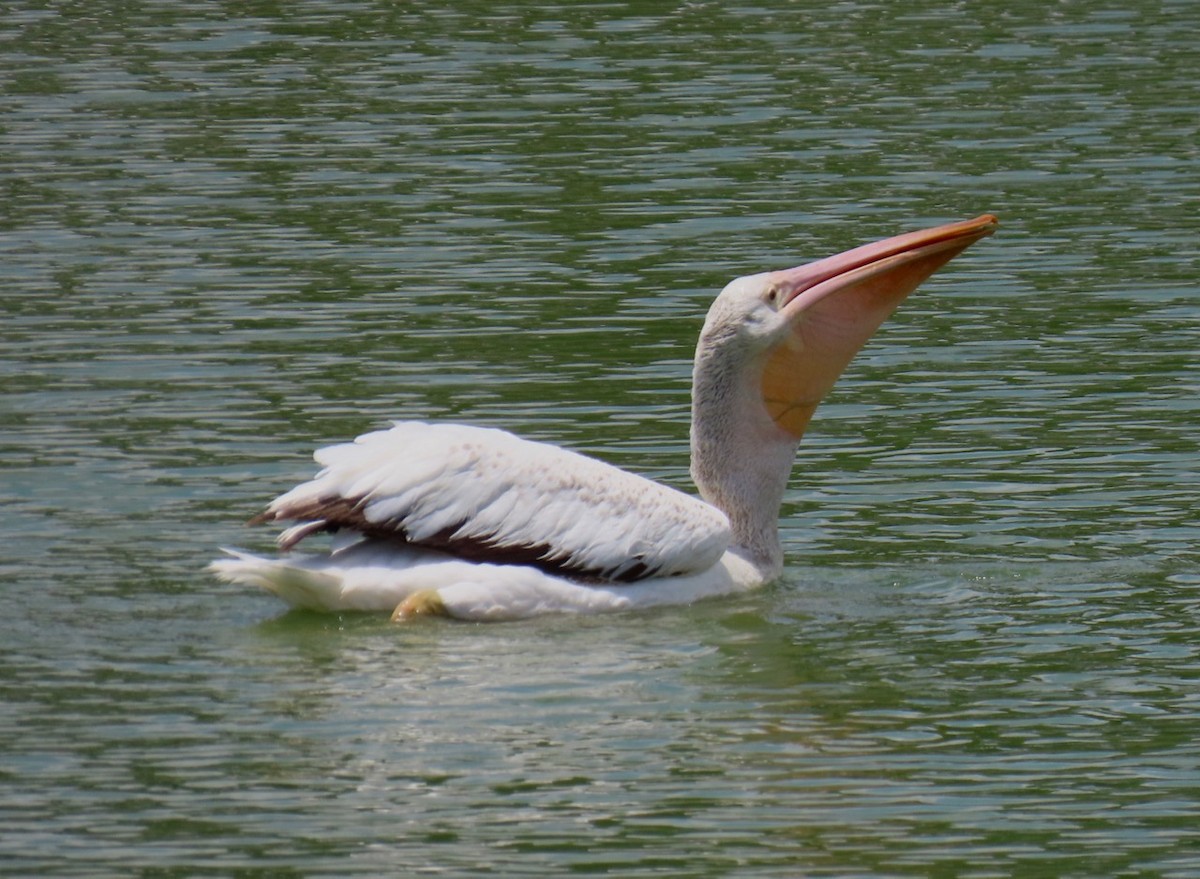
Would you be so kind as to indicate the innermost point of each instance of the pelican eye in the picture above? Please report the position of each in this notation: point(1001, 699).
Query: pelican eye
point(773, 295)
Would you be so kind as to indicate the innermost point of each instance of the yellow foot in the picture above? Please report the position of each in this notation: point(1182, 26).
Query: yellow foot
point(426, 603)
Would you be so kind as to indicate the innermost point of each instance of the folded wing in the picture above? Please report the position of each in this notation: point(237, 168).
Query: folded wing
point(486, 495)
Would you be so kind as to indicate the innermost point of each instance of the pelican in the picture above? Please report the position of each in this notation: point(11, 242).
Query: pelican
point(478, 524)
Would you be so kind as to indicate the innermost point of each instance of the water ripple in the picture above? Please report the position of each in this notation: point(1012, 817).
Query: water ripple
point(232, 235)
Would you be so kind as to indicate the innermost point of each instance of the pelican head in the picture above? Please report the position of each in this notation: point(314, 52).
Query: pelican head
point(773, 345)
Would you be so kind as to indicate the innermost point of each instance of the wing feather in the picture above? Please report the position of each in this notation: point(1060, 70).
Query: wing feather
point(490, 496)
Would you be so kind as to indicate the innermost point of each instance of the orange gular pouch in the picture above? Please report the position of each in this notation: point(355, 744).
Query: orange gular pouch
point(830, 321)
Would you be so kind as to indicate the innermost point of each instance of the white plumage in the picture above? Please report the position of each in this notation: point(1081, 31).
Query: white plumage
point(476, 523)
point(481, 490)
point(374, 575)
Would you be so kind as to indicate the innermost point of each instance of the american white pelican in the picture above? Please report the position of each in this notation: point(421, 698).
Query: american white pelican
point(478, 524)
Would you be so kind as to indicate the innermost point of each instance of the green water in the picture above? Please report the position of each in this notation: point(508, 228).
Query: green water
point(232, 232)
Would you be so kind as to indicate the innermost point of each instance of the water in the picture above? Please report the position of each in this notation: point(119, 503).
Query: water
point(233, 232)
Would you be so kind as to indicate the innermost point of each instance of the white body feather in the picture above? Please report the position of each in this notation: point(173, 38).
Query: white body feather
point(375, 576)
point(589, 522)
point(454, 483)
